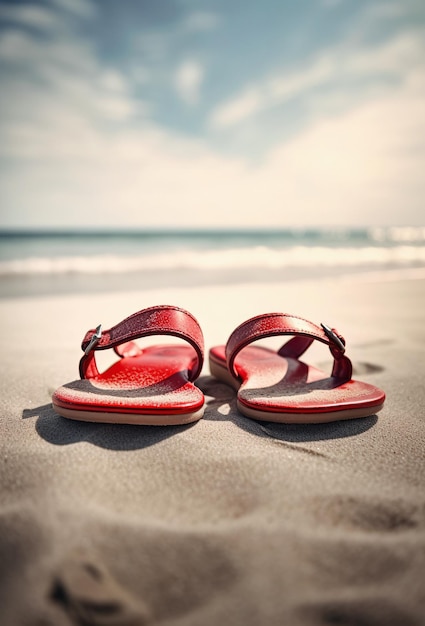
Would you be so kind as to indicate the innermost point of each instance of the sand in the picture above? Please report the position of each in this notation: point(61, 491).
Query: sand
point(226, 521)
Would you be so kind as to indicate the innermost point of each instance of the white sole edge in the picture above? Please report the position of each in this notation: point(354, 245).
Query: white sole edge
point(129, 418)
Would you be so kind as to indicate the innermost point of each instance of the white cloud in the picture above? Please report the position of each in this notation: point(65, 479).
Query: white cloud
point(332, 68)
point(61, 70)
point(29, 15)
point(239, 109)
point(38, 56)
point(112, 80)
point(188, 80)
point(81, 161)
point(363, 167)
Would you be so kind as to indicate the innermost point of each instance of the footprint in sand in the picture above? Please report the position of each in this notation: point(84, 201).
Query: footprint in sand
point(90, 595)
point(370, 515)
point(177, 572)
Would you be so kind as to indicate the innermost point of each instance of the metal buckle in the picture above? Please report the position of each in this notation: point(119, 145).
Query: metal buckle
point(94, 340)
point(333, 337)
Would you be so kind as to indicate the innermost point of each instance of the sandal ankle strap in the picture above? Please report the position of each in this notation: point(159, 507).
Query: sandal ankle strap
point(157, 320)
point(305, 332)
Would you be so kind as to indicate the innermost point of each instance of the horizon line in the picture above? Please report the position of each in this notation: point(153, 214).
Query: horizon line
point(173, 231)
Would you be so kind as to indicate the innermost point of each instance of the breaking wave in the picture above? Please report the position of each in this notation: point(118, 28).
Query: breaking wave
point(256, 257)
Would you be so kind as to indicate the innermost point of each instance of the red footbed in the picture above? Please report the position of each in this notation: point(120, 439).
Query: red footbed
point(155, 381)
point(276, 384)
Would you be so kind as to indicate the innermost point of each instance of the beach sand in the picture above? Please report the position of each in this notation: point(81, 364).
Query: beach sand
point(226, 521)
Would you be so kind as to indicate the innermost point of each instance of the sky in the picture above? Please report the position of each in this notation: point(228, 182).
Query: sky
point(212, 113)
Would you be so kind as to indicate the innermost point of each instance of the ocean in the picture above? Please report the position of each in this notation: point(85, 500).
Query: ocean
point(40, 263)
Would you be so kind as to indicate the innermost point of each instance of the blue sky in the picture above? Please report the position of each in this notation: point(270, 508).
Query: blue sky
point(194, 113)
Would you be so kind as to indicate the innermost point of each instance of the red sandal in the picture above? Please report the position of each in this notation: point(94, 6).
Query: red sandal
point(278, 387)
point(153, 385)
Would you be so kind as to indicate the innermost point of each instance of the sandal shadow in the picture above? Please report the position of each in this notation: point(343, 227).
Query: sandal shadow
point(62, 432)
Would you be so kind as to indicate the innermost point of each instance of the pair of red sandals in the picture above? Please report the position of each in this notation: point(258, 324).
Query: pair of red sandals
point(155, 385)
